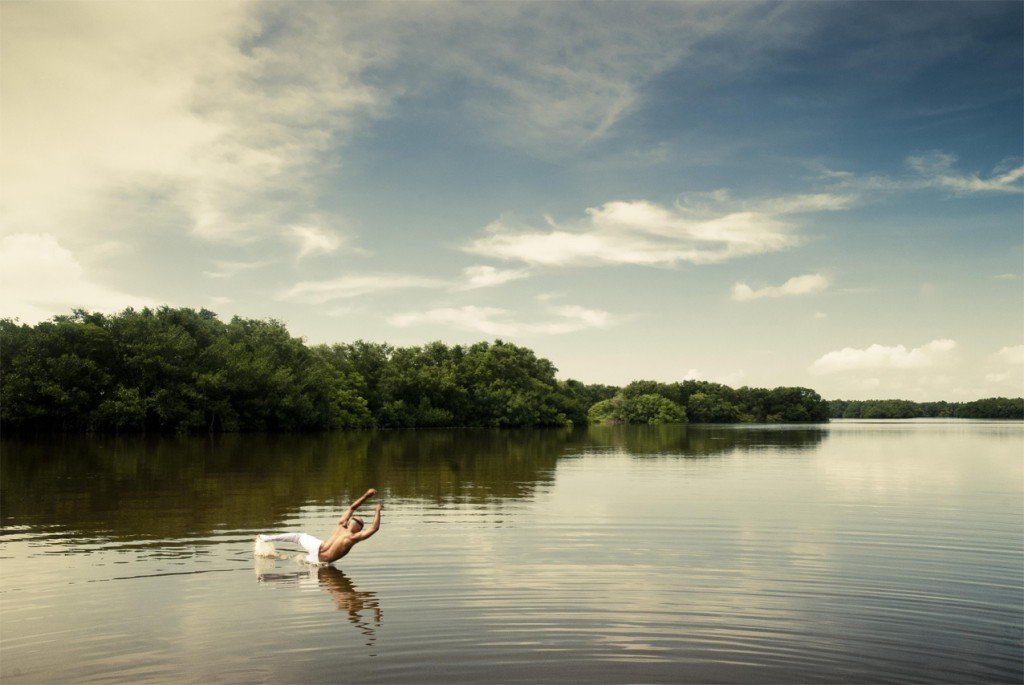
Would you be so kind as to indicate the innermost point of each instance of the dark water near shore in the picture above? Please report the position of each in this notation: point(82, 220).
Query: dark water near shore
point(851, 552)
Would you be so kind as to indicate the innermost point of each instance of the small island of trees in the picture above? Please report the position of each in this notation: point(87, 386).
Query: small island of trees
point(183, 370)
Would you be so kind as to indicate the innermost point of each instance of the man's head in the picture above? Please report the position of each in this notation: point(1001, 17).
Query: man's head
point(355, 524)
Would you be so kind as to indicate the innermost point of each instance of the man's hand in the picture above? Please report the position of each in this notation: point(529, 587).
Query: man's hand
point(355, 505)
point(380, 507)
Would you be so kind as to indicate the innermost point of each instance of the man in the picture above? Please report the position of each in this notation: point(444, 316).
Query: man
point(348, 532)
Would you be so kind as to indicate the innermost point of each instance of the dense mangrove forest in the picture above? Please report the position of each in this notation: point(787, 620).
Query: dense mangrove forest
point(184, 370)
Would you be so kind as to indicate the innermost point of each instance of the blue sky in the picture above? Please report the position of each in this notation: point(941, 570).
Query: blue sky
point(823, 194)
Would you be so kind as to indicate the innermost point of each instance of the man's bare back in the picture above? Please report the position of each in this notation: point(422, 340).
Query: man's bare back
point(349, 531)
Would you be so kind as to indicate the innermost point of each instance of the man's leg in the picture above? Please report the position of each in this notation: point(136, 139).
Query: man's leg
point(306, 542)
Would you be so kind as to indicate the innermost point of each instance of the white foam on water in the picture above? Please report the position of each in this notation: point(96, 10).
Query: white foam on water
point(264, 549)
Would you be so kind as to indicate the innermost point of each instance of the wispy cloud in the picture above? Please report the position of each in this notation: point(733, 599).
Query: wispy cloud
point(319, 292)
point(933, 170)
point(936, 169)
point(572, 318)
point(489, 276)
point(808, 202)
point(645, 233)
point(39, 278)
point(312, 239)
point(565, 80)
point(498, 321)
point(798, 285)
point(998, 377)
point(876, 356)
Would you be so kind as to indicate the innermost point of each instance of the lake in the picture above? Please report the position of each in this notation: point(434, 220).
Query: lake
point(847, 552)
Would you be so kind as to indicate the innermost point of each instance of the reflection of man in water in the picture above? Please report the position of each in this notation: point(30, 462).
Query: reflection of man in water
point(346, 534)
point(347, 598)
point(343, 592)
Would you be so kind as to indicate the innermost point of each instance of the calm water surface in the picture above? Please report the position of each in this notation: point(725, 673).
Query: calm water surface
point(852, 552)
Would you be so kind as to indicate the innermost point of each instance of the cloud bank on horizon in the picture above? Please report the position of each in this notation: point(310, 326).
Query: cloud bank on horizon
point(780, 193)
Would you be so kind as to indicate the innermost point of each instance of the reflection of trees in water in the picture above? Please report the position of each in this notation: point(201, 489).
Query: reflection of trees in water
point(703, 440)
point(363, 608)
point(135, 487)
point(164, 487)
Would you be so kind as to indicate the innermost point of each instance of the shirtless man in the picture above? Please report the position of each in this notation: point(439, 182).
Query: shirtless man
point(346, 534)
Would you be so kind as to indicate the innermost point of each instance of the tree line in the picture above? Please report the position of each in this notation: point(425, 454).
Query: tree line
point(183, 370)
point(988, 408)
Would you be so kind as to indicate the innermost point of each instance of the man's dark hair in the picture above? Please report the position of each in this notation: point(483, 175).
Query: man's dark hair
point(359, 521)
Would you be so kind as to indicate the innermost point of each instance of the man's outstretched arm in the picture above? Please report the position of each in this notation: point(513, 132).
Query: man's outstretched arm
point(355, 505)
point(374, 527)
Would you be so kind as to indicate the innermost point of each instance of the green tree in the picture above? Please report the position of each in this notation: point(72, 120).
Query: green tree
point(710, 408)
point(638, 409)
point(653, 409)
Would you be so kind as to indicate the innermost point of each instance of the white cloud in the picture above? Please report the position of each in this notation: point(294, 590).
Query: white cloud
point(876, 356)
point(227, 269)
point(344, 310)
point(193, 105)
point(313, 239)
point(1011, 354)
point(497, 321)
point(644, 233)
point(487, 320)
point(732, 379)
point(572, 318)
point(1007, 277)
point(319, 292)
point(222, 118)
point(798, 285)
point(39, 279)
point(488, 276)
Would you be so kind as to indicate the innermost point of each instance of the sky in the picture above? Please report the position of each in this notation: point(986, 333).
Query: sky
point(824, 194)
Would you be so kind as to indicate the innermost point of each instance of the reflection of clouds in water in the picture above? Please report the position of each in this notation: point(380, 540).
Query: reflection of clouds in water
point(878, 473)
point(811, 556)
point(874, 461)
point(635, 610)
point(363, 608)
point(626, 553)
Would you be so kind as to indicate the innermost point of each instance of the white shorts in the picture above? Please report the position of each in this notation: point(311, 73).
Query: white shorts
point(306, 542)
